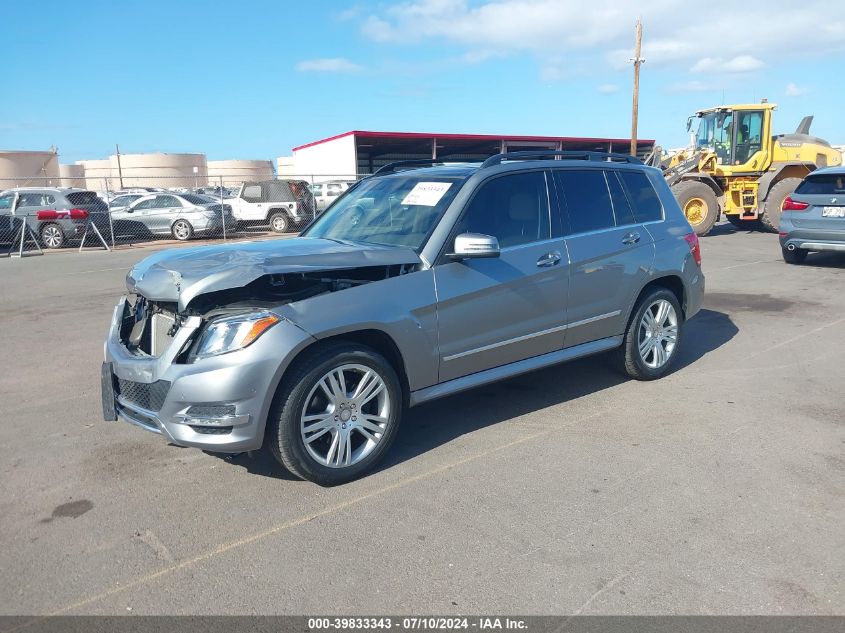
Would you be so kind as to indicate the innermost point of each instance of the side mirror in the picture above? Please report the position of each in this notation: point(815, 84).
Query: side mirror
point(475, 246)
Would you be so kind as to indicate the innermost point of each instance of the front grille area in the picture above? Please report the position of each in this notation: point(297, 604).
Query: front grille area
point(148, 396)
point(211, 411)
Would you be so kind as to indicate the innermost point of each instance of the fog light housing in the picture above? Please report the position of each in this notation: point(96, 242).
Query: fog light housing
point(212, 415)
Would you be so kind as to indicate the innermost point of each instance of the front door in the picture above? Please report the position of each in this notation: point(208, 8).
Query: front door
point(496, 311)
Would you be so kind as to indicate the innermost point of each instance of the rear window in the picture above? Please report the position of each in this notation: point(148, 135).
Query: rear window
point(641, 193)
point(200, 200)
point(83, 197)
point(828, 184)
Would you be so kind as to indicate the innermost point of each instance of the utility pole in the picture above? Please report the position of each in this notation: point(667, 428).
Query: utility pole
point(635, 109)
point(119, 170)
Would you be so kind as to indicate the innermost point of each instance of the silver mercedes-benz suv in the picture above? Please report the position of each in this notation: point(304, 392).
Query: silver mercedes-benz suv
point(419, 282)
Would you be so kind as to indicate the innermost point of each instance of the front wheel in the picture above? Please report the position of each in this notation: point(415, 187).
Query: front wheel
point(182, 230)
point(699, 204)
point(653, 337)
point(336, 414)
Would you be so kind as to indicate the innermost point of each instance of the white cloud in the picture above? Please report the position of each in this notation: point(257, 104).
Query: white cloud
point(607, 89)
point(793, 90)
point(606, 29)
point(328, 65)
point(738, 64)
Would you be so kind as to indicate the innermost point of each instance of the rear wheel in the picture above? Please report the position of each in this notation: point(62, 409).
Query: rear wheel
point(772, 207)
point(182, 230)
point(52, 236)
point(336, 414)
point(279, 222)
point(794, 257)
point(653, 337)
point(699, 204)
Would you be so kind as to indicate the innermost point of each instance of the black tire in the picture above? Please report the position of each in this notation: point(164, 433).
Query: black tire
point(794, 257)
point(745, 225)
point(279, 222)
point(284, 437)
point(52, 236)
point(772, 207)
point(699, 205)
point(182, 230)
point(629, 358)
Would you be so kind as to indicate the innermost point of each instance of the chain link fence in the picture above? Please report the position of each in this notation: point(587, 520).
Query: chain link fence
point(45, 214)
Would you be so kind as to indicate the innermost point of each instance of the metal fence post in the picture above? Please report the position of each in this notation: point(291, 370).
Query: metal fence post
point(108, 210)
point(222, 209)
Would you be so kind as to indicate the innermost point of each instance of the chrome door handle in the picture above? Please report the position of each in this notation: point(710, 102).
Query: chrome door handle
point(631, 238)
point(549, 259)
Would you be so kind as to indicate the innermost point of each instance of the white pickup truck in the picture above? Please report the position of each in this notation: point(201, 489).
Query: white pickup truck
point(281, 204)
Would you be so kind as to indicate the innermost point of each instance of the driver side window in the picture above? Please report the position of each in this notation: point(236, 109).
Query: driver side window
point(749, 133)
point(513, 208)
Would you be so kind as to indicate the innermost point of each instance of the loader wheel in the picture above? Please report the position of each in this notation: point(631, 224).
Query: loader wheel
point(772, 207)
point(699, 204)
point(745, 225)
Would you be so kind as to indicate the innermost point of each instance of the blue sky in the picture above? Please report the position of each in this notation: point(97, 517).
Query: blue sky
point(252, 79)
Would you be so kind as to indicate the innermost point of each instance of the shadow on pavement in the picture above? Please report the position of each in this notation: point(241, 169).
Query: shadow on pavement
point(431, 425)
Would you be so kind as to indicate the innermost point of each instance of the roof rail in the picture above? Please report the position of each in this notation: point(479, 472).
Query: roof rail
point(392, 168)
point(498, 159)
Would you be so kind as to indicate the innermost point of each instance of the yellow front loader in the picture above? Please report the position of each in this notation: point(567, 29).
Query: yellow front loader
point(736, 166)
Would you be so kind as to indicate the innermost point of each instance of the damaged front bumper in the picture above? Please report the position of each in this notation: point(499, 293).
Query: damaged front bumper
point(218, 403)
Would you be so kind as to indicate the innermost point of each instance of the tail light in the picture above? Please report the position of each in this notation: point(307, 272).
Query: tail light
point(46, 214)
point(78, 214)
point(793, 205)
point(694, 246)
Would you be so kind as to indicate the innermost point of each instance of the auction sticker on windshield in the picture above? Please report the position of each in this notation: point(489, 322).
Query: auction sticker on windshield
point(426, 194)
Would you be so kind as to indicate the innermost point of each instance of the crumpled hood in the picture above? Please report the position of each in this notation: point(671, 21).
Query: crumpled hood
point(183, 274)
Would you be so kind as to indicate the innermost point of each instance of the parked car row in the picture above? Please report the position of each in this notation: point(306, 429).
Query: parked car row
point(57, 215)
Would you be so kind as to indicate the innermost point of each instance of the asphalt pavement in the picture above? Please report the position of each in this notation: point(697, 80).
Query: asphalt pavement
point(716, 490)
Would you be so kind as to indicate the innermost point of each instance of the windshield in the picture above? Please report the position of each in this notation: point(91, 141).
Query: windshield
point(715, 132)
point(391, 211)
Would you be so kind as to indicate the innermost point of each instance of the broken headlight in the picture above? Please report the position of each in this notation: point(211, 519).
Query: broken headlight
point(228, 334)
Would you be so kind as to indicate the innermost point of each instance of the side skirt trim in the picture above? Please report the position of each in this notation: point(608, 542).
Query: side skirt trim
point(494, 374)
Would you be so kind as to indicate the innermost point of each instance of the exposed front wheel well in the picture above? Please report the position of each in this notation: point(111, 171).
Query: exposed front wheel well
point(376, 340)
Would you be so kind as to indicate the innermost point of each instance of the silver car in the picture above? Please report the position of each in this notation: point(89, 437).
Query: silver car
point(418, 283)
point(179, 215)
point(813, 217)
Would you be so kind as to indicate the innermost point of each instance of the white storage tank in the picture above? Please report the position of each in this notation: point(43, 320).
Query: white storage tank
point(98, 175)
point(28, 169)
point(234, 172)
point(72, 176)
point(160, 170)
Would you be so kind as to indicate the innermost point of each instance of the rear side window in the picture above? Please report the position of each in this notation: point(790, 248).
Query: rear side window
point(828, 184)
point(621, 206)
point(83, 197)
point(586, 199)
point(643, 197)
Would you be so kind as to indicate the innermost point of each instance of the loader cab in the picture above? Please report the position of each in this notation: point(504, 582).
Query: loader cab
point(736, 135)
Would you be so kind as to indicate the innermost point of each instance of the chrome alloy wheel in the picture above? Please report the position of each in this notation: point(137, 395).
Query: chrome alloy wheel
point(181, 230)
point(345, 416)
point(658, 334)
point(52, 236)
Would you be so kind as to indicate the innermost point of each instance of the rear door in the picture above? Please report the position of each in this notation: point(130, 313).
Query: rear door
point(496, 311)
point(825, 193)
point(610, 252)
